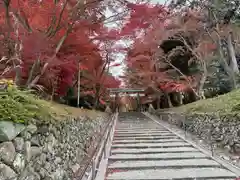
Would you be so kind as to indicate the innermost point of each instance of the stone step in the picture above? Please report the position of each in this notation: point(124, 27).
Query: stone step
point(119, 134)
point(153, 150)
point(129, 127)
point(147, 141)
point(157, 156)
point(152, 145)
point(136, 123)
point(139, 135)
point(139, 126)
point(174, 174)
point(166, 164)
point(143, 127)
point(144, 137)
point(140, 131)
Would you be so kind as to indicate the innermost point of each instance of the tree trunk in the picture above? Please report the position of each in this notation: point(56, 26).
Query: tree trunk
point(180, 98)
point(192, 96)
point(98, 86)
point(227, 69)
point(232, 55)
point(79, 84)
point(169, 100)
point(158, 101)
point(201, 85)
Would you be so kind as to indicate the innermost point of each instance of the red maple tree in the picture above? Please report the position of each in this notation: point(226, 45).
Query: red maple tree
point(150, 60)
point(44, 41)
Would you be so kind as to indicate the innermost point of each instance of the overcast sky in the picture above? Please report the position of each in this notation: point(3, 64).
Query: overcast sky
point(118, 71)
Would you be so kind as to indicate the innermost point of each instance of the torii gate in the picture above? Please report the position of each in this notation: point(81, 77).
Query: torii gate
point(115, 92)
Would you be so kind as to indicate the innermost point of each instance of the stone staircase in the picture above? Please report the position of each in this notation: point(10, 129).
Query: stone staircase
point(144, 150)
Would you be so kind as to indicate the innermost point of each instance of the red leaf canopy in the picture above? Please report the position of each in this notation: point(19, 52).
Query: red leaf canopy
point(53, 35)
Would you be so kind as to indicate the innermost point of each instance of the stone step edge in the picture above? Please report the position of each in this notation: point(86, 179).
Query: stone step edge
point(164, 167)
point(155, 159)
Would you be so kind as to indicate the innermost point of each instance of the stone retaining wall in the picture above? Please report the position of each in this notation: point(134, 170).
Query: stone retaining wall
point(48, 151)
point(222, 130)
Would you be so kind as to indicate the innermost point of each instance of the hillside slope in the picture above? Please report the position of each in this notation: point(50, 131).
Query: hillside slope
point(226, 103)
point(22, 105)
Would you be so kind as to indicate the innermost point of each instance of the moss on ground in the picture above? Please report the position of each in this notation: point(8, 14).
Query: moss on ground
point(227, 103)
point(22, 106)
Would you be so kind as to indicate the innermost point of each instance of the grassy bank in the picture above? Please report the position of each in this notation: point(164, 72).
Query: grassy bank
point(21, 106)
point(227, 103)
point(64, 110)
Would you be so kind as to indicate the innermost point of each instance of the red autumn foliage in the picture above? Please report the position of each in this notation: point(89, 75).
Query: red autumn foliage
point(148, 64)
point(54, 37)
point(141, 17)
point(58, 36)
